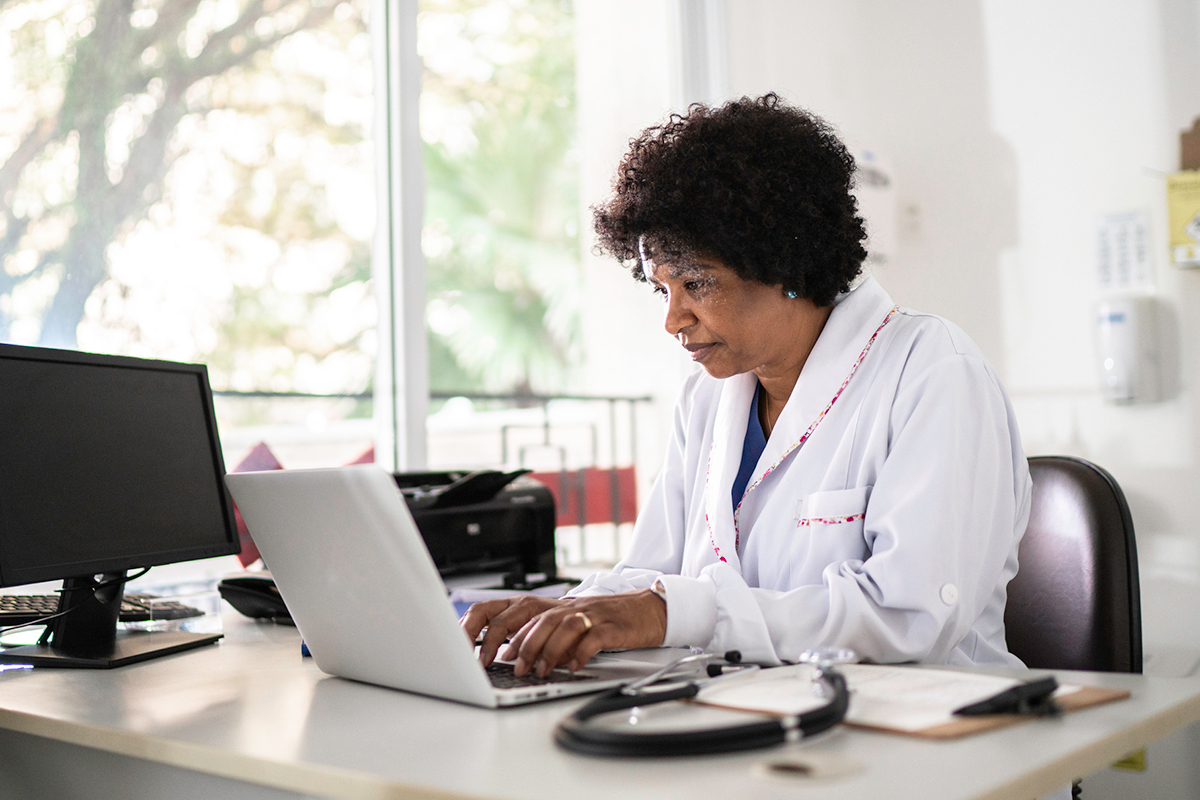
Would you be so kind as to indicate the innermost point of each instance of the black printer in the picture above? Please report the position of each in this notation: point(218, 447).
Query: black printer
point(484, 521)
point(474, 523)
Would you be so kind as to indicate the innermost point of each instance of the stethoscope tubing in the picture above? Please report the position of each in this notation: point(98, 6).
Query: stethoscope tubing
point(575, 734)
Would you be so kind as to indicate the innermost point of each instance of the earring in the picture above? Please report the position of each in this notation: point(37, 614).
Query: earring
point(791, 294)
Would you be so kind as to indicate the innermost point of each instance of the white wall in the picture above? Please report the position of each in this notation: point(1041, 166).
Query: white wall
point(1011, 127)
point(1092, 99)
point(909, 81)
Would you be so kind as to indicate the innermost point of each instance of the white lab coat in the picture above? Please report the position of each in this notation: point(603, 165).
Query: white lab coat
point(892, 530)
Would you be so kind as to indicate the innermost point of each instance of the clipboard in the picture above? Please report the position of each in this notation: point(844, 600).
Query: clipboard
point(906, 700)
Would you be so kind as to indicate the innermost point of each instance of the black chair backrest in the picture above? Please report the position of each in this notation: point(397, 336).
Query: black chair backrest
point(1075, 602)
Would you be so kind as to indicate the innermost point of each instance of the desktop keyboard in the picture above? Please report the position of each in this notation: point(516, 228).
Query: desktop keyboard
point(502, 677)
point(21, 609)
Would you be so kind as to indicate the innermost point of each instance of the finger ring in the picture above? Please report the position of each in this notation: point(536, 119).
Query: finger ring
point(587, 622)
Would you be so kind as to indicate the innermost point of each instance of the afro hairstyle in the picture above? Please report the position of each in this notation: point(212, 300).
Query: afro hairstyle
point(762, 186)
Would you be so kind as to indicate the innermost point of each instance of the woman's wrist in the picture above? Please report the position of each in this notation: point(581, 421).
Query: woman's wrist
point(660, 589)
point(656, 603)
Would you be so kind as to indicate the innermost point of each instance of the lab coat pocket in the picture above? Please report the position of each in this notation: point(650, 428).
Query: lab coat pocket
point(829, 530)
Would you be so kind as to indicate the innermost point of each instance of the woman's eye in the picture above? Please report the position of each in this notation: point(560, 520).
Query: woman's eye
point(661, 291)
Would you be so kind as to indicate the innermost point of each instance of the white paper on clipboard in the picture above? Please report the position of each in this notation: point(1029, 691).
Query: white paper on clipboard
point(900, 698)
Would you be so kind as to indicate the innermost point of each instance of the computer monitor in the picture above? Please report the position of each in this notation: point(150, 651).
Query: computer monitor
point(107, 464)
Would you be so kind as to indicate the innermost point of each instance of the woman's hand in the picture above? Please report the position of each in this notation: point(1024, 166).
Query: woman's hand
point(502, 618)
point(547, 633)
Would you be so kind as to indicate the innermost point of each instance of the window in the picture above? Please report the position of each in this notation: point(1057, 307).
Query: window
point(501, 233)
point(198, 180)
point(193, 180)
point(505, 239)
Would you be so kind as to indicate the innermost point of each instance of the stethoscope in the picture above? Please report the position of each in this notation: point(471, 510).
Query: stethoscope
point(579, 733)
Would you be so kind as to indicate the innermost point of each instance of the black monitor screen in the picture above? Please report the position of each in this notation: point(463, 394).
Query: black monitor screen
point(106, 463)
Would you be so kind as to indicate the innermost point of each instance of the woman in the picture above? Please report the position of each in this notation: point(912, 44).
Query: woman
point(841, 472)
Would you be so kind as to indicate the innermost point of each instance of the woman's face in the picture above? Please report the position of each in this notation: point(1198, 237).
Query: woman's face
point(730, 325)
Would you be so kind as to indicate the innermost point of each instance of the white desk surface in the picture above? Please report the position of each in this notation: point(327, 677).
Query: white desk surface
point(252, 709)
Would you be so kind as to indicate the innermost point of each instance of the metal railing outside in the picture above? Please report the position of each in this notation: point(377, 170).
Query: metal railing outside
point(564, 438)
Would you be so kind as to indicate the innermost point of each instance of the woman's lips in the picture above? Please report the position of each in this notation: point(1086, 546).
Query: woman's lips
point(699, 351)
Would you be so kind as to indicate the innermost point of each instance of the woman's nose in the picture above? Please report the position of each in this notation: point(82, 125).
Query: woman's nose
point(678, 316)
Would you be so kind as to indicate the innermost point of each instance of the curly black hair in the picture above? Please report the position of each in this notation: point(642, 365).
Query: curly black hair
point(761, 186)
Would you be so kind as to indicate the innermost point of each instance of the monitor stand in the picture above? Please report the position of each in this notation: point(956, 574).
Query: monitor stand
point(86, 636)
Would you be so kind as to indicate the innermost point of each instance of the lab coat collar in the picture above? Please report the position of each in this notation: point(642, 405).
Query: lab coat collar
point(855, 318)
point(729, 433)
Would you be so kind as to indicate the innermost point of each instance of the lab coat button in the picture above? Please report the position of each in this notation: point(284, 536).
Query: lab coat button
point(949, 594)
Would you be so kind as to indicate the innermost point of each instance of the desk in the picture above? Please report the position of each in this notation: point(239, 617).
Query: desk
point(253, 713)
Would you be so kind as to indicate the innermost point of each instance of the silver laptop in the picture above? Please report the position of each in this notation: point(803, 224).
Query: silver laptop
point(360, 584)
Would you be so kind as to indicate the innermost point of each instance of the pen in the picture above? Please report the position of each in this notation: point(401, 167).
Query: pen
point(1024, 698)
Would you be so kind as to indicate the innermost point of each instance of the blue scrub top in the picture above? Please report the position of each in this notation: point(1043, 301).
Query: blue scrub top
point(752, 449)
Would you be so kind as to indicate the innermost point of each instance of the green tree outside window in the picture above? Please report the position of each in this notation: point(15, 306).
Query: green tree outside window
point(501, 234)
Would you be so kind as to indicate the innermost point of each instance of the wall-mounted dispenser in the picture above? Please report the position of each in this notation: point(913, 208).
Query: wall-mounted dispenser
point(1128, 349)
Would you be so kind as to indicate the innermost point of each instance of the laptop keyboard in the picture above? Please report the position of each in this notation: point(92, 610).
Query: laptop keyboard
point(502, 677)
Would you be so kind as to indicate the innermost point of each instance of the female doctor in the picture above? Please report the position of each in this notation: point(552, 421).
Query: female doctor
point(841, 472)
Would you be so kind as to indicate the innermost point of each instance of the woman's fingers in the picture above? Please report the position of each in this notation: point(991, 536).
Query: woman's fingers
point(575, 631)
point(502, 618)
point(587, 647)
point(514, 642)
point(526, 644)
point(544, 634)
point(477, 616)
point(563, 644)
point(498, 629)
point(544, 639)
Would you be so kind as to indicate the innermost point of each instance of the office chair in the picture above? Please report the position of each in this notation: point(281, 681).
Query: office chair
point(1075, 601)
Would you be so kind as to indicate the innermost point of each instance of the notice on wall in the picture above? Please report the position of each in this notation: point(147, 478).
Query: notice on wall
point(1123, 251)
point(1183, 214)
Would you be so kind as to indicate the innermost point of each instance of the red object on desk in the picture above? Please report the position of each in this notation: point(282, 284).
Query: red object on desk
point(366, 457)
point(259, 459)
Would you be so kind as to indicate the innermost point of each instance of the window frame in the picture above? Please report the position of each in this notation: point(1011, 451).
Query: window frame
point(398, 265)
point(700, 53)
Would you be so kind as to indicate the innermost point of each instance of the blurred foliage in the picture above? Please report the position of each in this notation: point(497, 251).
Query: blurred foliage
point(168, 171)
point(501, 232)
point(193, 179)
